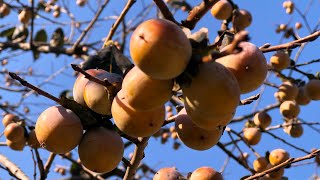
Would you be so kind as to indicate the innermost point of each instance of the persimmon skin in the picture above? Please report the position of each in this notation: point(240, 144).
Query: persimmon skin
point(80, 83)
point(249, 66)
point(58, 130)
point(205, 173)
point(213, 86)
point(242, 20)
point(289, 109)
point(252, 135)
point(313, 89)
point(18, 145)
point(14, 132)
point(96, 96)
point(287, 91)
point(260, 164)
point(148, 93)
point(278, 156)
point(169, 173)
point(280, 60)
point(221, 10)
point(9, 118)
point(294, 130)
point(32, 140)
point(302, 97)
point(133, 122)
point(262, 119)
point(101, 150)
point(160, 49)
point(193, 136)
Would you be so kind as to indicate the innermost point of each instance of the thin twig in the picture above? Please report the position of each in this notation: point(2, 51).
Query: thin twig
point(165, 11)
point(292, 44)
point(40, 165)
point(90, 25)
point(49, 163)
point(12, 168)
point(249, 100)
point(138, 155)
point(119, 20)
point(284, 164)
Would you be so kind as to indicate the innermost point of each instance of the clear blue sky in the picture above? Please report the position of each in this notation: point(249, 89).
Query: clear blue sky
point(266, 16)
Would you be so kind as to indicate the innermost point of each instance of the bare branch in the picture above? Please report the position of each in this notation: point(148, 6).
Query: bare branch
point(12, 168)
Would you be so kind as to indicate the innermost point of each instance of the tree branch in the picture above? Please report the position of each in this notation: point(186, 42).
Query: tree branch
point(12, 168)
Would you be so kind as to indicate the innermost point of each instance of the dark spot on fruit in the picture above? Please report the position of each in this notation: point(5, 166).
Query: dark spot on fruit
point(202, 137)
point(141, 36)
point(151, 124)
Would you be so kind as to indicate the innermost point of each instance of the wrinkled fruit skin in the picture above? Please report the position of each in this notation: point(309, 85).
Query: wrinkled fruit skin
point(194, 137)
point(249, 66)
point(101, 150)
point(213, 96)
point(160, 49)
point(205, 173)
point(167, 174)
point(252, 135)
point(97, 97)
point(289, 109)
point(262, 119)
point(148, 93)
point(313, 89)
point(58, 130)
point(278, 156)
point(221, 10)
point(133, 122)
point(280, 60)
point(260, 164)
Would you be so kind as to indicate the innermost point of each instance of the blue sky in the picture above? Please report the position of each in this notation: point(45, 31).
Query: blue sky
point(266, 16)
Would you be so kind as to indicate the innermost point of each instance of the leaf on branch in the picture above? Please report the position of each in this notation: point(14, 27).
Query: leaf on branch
point(57, 38)
point(8, 33)
point(20, 34)
point(110, 59)
point(41, 36)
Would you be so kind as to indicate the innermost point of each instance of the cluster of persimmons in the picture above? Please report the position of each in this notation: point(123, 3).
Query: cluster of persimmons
point(161, 51)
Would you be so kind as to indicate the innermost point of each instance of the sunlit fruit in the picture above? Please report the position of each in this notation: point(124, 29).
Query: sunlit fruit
point(278, 156)
point(298, 25)
point(9, 118)
point(289, 109)
point(252, 135)
point(221, 10)
point(169, 173)
point(58, 129)
point(160, 49)
point(193, 136)
point(101, 150)
point(25, 16)
point(98, 97)
point(213, 96)
point(32, 140)
point(302, 97)
point(280, 60)
point(293, 128)
point(205, 173)
point(262, 119)
point(133, 122)
point(249, 66)
point(14, 132)
point(17, 146)
point(287, 91)
point(242, 19)
point(260, 164)
point(144, 93)
point(313, 89)
point(81, 82)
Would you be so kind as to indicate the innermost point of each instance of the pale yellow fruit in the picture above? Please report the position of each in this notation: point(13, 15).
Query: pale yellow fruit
point(312, 88)
point(278, 156)
point(262, 119)
point(205, 173)
point(221, 10)
point(252, 135)
point(289, 109)
point(294, 130)
point(14, 132)
point(280, 60)
point(9, 118)
point(170, 173)
point(287, 91)
point(302, 97)
point(242, 20)
point(260, 164)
